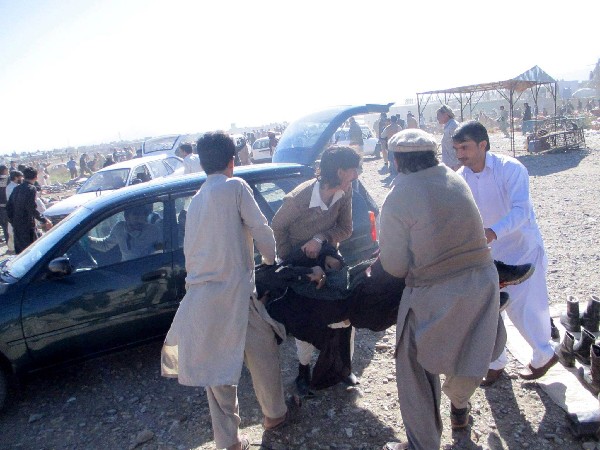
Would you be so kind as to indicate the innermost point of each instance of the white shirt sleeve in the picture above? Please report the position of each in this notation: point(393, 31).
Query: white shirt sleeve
point(516, 185)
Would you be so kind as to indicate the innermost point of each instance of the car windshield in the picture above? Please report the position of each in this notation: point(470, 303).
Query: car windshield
point(306, 131)
point(20, 264)
point(105, 180)
point(159, 144)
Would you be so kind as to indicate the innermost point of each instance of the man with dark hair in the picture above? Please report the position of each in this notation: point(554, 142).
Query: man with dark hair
point(316, 212)
point(445, 117)
point(273, 141)
point(220, 323)
point(3, 199)
point(22, 211)
point(527, 124)
point(500, 185)
point(16, 178)
point(355, 135)
point(386, 134)
point(72, 166)
point(448, 316)
point(503, 121)
point(134, 236)
point(191, 161)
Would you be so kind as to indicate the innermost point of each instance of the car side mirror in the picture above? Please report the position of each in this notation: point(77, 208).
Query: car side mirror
point(60, 266)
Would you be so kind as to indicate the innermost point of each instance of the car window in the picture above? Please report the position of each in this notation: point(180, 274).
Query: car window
point(181, 206)
point(129, 234)
point(173, 163)
point(272, 192)
point(158, 169)
point(159, 144)
point(140, 174)
point(105, 180)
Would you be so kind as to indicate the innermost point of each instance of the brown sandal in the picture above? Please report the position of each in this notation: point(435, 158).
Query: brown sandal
point(293, 404)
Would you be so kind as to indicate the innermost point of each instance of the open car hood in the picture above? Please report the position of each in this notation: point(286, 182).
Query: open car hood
point(305, 139)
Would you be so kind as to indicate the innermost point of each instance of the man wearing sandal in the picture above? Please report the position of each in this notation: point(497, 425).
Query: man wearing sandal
point(220, 323)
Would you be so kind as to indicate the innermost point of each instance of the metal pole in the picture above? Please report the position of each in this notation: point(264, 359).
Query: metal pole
point(512, 127)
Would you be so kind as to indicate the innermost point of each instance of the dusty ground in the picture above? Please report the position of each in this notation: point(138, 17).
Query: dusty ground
point(120, 401)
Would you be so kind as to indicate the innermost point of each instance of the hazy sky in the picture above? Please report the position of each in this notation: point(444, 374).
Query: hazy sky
point(83, 71)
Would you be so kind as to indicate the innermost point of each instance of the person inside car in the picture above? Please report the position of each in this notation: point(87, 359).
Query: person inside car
point(134, 236)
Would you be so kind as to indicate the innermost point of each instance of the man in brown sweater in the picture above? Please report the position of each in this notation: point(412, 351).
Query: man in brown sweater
point(318, 211)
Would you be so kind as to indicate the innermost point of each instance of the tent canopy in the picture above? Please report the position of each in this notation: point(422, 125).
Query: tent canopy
point(520, 83)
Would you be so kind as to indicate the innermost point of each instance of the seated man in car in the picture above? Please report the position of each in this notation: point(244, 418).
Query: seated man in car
point(134, 236)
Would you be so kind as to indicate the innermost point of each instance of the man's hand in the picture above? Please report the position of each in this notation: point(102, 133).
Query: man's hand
point(312, 249)
point(490, 235)
point(47, 225)
point(317, 276)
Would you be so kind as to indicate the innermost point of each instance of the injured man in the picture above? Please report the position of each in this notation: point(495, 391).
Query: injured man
point(320, 300)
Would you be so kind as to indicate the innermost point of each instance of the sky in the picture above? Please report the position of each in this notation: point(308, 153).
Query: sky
point(81, 72)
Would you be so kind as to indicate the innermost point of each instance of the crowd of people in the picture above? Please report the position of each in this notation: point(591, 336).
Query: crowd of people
point(441, 254)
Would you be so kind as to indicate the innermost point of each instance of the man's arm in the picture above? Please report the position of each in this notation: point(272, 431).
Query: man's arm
point(31, 206)
point(284, 217)
point(393, 242)
point(254, 219)
point(516, 184)
point(106, 243)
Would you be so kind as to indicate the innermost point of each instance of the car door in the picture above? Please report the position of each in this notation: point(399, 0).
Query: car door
point(181, 202)
point(111, 299)
point(261, 150)
point(141, 174)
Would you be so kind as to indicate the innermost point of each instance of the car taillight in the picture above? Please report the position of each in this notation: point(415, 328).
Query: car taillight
point(373, 226)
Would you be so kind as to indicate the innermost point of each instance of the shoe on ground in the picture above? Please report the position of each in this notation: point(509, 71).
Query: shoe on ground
point(396, 446)
point(491, 377)
point(554, 332)
point(351, 380)
point(459, 418)
point(533, 373)
point(509, 275)
point(303, 380)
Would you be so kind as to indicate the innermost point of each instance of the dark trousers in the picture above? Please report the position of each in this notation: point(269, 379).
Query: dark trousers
point(4, 222)
point(24, 236)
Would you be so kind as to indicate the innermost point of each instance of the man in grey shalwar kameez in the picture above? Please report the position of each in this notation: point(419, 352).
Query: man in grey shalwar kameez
point(448, 317)
point(220, 323)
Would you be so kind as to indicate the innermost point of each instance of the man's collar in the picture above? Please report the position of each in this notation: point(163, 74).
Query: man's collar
point(488, 160)
point(316, 200)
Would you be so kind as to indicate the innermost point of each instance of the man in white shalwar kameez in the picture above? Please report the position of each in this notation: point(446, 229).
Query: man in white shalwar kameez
point(220, 323)
point(500, 186)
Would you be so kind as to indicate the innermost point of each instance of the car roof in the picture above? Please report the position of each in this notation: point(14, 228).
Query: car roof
point(136, 162)
point(295, 146)
point(170, 185)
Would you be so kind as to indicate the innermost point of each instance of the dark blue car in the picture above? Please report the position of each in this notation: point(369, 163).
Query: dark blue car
point(70, 296)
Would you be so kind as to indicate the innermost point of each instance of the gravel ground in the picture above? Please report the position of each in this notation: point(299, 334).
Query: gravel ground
point(120, 401)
